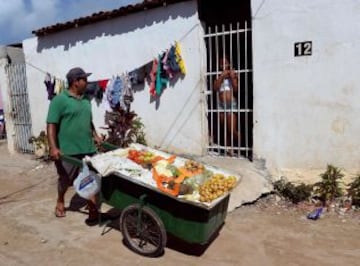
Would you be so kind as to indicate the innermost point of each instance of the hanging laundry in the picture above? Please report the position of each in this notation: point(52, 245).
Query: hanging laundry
point(166, 65)
point(113, 92)
point(163, 74)
point(179, 58)
point(153, 77)
point(59, 86)
point(91, 88)
point(99, 94)
point(172, 62)
point(50, 86)
point(138, 75)
point(103, 83)
point(160, 80)
point(127, 96)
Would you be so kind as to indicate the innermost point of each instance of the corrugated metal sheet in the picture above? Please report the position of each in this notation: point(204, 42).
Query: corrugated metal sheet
point(105, 15)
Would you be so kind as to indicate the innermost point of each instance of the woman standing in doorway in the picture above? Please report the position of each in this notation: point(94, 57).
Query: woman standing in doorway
point(226, 84)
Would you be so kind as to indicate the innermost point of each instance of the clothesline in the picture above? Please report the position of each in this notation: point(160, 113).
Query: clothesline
point(39, 69)
point(47, 72)
point(158, 72)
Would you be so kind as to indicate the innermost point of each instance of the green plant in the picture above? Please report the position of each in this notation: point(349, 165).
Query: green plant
point(139, 132)
point(329, 187)
point(40, 140)
point(124, 128)
point(354, 191)
point(41, 145)
point(294, 193)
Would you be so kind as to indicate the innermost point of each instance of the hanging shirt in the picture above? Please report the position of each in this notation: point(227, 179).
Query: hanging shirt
point(153, 77)
point(103, 83)
point(127, 94)
point(179, 58)
point(172, 62)
point(161, 80)
point(113, 91)
point(59, 86)
point(50, 86)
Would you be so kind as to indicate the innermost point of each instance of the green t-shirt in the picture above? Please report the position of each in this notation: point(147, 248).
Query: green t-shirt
point(73, 118)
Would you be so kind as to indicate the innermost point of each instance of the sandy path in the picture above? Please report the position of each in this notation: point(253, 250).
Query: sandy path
point(252, 235)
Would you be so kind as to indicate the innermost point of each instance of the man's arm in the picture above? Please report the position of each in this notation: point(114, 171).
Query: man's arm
point(51, 135)
point(97, 138)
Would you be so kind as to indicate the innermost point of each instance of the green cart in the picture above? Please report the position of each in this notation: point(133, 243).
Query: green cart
point(148, 214)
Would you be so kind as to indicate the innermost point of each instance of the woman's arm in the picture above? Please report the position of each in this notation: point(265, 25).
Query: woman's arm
point(234, 80)
point(220, 79)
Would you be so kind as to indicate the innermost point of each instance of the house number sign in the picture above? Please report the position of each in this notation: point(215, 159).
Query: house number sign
point(303, 48)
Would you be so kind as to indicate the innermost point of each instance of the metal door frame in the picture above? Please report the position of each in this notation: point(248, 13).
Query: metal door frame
point(20, 107)
point(220, 39)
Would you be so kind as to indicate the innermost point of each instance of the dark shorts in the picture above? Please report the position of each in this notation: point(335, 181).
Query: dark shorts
point(67, 172)
point(227, 106)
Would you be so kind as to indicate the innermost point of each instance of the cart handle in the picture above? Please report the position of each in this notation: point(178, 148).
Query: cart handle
point(72, 160)
point(108, 146)
point(77, 162)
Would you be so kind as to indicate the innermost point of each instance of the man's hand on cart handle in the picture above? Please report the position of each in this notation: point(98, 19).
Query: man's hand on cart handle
point(98, 139)
point(55, 153)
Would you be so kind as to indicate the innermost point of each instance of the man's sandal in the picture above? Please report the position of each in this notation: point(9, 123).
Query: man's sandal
point(59, 213)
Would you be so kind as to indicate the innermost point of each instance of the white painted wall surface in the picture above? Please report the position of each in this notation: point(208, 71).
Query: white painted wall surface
point(306, 109)
point(123, 44)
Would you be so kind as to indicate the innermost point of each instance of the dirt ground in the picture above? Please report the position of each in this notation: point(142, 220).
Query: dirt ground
point(264, 233)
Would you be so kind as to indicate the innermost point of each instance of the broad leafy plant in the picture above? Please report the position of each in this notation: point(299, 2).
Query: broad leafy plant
point(124, 128)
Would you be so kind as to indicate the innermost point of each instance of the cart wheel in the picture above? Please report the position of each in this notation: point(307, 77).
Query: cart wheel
point(144, 234)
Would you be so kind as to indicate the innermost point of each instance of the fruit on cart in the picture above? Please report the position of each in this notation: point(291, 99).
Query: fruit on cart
point(143, 157)
point(215, 187)
point(196, 180)
point(134, 155)
point(193, 167)
point(147, 158)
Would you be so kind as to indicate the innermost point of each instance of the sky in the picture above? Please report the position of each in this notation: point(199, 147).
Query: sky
point(18, 18)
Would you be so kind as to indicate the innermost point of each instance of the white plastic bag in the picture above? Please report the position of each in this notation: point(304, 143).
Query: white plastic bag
point(87, 183)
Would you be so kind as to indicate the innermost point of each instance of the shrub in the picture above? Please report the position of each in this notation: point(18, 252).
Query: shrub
point(354, 191)
point(294, 193)
point(329, 187)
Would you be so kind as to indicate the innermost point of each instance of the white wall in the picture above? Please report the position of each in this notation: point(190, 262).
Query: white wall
point(122, 44)
point(306, 109)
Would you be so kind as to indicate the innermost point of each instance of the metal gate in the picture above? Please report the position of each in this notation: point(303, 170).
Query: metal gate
point(230, 123)
point(20, 108)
